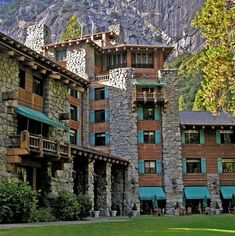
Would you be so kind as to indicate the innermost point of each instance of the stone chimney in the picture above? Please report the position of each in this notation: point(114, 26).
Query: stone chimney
point(38, 35)
point(118, 30)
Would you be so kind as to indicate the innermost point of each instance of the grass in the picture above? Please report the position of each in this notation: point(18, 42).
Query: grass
point(140, 226)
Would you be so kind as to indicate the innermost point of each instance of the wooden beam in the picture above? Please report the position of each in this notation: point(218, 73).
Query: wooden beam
point(20, 58)
point(66, 81)
point(73, 85)
point(29, 63)
point(10, 53)
point(43, 71)
point(54, 76)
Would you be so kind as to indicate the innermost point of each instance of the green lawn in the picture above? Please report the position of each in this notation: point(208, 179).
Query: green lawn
point(139, 226)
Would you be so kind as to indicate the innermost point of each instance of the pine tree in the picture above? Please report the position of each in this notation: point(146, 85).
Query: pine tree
point(72, 30)
point(182, 106)
point(216, 62)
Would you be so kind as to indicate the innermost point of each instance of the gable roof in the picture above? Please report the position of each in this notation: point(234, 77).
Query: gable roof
point(205, 118)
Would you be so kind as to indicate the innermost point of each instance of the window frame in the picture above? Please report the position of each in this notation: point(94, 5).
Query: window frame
point(61, 54)
point(73, 115)
point(149, 169)
point(149, 140)
point(22, 78)
point(74, 93)
point(73, 139)
point(228, 161)
point(142, 59)
point(99, 93)
point(224, 136)
point(103, 116)
point(188, 136)
point(99, 136)
point(146, 115)
point(193, 160)
point(38, 86)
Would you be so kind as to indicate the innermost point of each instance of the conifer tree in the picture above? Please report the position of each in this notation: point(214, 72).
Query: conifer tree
point(73, 29)
point(182, 106)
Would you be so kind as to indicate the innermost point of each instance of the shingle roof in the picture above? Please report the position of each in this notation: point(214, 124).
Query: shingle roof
point(205, 118)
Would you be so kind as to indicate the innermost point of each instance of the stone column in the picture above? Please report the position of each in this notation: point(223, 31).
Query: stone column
point(38, 35)
point(171, 142)
point(123, 129)
point(90, 181)
point(213, 183)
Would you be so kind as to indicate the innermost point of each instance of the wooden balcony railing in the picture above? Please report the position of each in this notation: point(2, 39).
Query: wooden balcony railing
point(30, 99)
point(149, 97)
point(39, 144)
point(145, 76)
point(100, 77)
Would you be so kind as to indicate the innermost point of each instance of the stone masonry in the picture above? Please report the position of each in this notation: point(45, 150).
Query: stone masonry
point(123, 129)
point(38, 35)
point(8, 124)
point(171, 142)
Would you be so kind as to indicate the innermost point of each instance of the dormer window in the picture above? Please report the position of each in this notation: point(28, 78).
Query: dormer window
point(60, 54)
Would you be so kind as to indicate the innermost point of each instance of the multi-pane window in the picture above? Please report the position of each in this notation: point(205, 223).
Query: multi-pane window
point(73, 112)
point(142, 60)
point(99, 116)
point(22, 79)
point(227, 136)
point(74, 93)
point(148, 113)
point(99, 93)
point(73, 136)
point(149, 167)
point(193, 165)
point(228, 165)
point(37, 86)
point(60, 55)
point(192, 137)
point(99, 139)
point(149, 136)
point(116, 60)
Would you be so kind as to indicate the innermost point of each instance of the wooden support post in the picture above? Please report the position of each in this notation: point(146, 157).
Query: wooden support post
point(40, 145)
point(24, 140)
point(58, 150)
point(34, 180)
point(69, 151)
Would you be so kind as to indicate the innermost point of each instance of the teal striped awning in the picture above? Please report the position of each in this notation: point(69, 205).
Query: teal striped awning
point(38, 116)
point(196, 193)
point(148, 84)
point(148, 193)
point(227, 191)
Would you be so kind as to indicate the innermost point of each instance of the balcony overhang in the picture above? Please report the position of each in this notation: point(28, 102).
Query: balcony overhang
point(148, 84)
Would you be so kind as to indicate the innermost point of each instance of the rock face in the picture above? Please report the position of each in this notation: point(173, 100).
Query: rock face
point(144, 21)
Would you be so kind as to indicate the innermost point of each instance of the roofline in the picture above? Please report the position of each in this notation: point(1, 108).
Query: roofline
point(138, 46)
point(209, 124)
point(20, 49)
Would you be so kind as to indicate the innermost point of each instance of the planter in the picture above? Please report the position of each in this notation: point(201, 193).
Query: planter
point(134, 213)
point(114, 213)
point(96, 214)
point(177, 212)
point(217, 211)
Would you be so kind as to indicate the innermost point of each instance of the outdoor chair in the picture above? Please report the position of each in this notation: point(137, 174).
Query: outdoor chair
point(207, 211)
point(189, 211)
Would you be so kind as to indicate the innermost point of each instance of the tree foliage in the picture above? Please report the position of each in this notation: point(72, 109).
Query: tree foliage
point(216, 62)
point(73, 29)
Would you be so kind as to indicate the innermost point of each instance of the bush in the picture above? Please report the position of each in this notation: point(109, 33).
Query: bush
point(86, 206)
point(42, 215)
point(17, 199)
point(67, 206)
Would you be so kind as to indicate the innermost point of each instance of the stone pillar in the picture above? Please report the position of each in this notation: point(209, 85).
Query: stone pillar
point(38, 35)
point(90, 181)
point(171, 142)
point(213, 183)
point(118, 30)
point(123, 129)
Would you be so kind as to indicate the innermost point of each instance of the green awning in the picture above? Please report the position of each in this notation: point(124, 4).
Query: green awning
point(148, 84)
point(227, 191)
point(38, 116)
point(196, 193)
point(147, 193)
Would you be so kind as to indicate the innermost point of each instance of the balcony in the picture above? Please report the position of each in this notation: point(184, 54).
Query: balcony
point(145, 76)
point(30, 99)
point(100, 78)
point(149, 97)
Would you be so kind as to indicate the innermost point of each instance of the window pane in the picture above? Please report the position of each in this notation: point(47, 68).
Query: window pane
point(99, 139)
point(228, 165)
point(149, 137)
point(73, 112)
point(227, 136)
point(192, 137)
point(60, 55)
point(73, 136)
point(148, 113)
point(150, 167)
point(22, 79)
point(99, 93)
point(100, 116)
point(37, 86)
point(193, 165)
point(73, 93)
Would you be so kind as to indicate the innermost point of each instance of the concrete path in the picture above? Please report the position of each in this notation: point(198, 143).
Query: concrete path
point(89, 220)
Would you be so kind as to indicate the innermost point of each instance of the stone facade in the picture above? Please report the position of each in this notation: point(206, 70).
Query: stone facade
point(171, 142)
point(123, 138)
point(118, 30)
point(80, 60)
point(213, 182)
point(9, 81)
point(38, 35)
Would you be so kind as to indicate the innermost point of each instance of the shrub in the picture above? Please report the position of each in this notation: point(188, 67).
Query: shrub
point(67, 206)
point(134, 208)
point(42, 215)
point(17, 199)
point(86, 206)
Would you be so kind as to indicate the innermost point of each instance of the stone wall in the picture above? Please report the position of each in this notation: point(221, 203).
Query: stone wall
point(171, 141)
point(9, 81)
point(80, 60)
point(123, 129)
point(38, 35)
point(213, 182)
point(118, 30)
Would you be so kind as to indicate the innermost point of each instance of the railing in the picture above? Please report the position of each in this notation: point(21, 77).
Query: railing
point(145, 76)
point(99, 78)
point(40, 144)
point(147, 96)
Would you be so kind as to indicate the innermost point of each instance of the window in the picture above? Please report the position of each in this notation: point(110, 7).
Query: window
point(116, 60)
point(74, 93)
point(193, 165)
point(148, 113)
point(192, 137)
point(73, 112)
point(73, 136)
point(228, 165)
point(22, 79)
point(149, 137)
point(37, 86)
point(99, 139)
point(99, 116)
point(60, 55)
point(142, 60)
point(227, 136)
point(99, 93)
point(149, 167)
